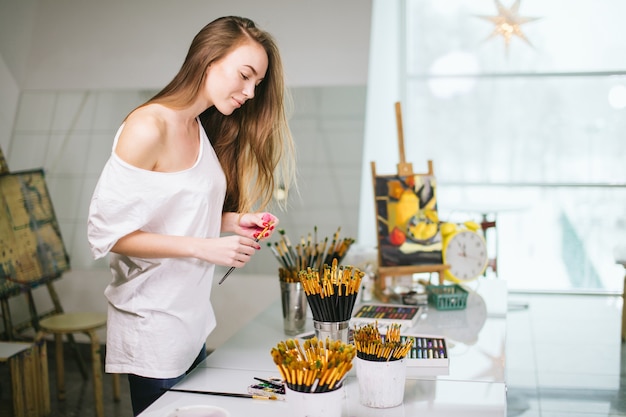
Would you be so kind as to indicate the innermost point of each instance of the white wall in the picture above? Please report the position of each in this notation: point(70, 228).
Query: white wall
point(77, 44)
point(17, 20)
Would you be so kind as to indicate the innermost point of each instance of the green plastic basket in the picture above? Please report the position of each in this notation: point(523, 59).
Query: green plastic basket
point(447, 297)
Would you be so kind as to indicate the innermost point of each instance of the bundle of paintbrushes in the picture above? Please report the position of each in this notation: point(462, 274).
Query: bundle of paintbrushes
point(331, 292)
point(314, 367)
point(309, 253)
point(373, 346)
point(288, 275)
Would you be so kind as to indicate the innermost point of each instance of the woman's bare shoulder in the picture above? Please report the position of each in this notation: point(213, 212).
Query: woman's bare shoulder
point(142, 138)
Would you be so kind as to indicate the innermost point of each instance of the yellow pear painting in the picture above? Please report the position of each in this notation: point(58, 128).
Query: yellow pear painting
point(407, 220)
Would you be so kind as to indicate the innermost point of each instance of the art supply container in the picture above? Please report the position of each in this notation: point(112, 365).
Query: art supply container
point(294, 307)
point(312, 404)
point(334, 330)
point(381, 383)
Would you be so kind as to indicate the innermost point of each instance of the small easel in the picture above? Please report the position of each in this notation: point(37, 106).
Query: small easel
point(405, 169)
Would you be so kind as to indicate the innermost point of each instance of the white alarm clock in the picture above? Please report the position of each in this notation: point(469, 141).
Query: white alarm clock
point(464, 249)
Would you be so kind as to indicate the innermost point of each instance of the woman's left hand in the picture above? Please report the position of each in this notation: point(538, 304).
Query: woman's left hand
point(254, 224)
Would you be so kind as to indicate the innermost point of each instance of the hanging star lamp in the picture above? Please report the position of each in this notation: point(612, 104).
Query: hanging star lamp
point(508, 23)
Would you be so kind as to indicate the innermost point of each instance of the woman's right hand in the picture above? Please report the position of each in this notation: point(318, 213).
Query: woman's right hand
point(227, 251)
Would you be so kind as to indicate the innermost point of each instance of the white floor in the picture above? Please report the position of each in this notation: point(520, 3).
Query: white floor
point(564, 356)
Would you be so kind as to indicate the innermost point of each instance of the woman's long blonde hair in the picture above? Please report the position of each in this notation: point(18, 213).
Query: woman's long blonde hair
point(254, 144)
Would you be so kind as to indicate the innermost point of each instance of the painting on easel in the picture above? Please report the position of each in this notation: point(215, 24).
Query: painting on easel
point(407, 223)
point(30, 237)
point(406, 219)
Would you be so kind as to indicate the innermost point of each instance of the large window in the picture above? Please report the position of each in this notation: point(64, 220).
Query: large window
point(530, 132)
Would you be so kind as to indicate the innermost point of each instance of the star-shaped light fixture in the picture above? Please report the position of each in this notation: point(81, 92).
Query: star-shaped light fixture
point(507, 23)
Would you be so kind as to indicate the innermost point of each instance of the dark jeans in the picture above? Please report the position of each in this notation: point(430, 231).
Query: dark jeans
point(144, 391)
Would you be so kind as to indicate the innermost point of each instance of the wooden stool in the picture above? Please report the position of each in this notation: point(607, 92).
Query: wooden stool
point(86, 323)
point(28, 366)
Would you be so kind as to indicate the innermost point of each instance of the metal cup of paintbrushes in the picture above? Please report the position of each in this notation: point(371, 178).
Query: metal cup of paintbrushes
point(294, 302)
point(331, 294)
point(339, 330)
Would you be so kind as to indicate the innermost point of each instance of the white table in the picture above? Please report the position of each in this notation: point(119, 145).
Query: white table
point(474, 386)
point(476, 337)
point(422, 398)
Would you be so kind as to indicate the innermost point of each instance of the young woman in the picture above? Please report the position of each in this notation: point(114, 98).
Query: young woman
point(184, 189)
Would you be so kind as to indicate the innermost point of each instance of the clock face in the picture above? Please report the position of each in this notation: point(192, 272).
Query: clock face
point(466, 253)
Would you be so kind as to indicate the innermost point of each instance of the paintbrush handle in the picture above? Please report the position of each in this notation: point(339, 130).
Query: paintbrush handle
point(232, 268)
point(222, 394)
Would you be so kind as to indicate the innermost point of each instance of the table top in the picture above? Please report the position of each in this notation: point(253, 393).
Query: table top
point(421, 397)
point(474, 385)
point(475, 336)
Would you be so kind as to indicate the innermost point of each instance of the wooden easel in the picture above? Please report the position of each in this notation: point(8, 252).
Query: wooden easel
point(11, 331)
point(404, 169)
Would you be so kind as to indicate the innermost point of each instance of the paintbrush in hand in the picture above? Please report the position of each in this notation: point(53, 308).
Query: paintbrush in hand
point(260, 235)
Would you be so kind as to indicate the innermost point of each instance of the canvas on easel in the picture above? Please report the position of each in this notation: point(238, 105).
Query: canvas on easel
point(406, 219)
point(33, 250)
point(407, 224)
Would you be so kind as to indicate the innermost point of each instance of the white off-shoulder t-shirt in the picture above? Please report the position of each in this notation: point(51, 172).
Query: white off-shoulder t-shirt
point(159, 313)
